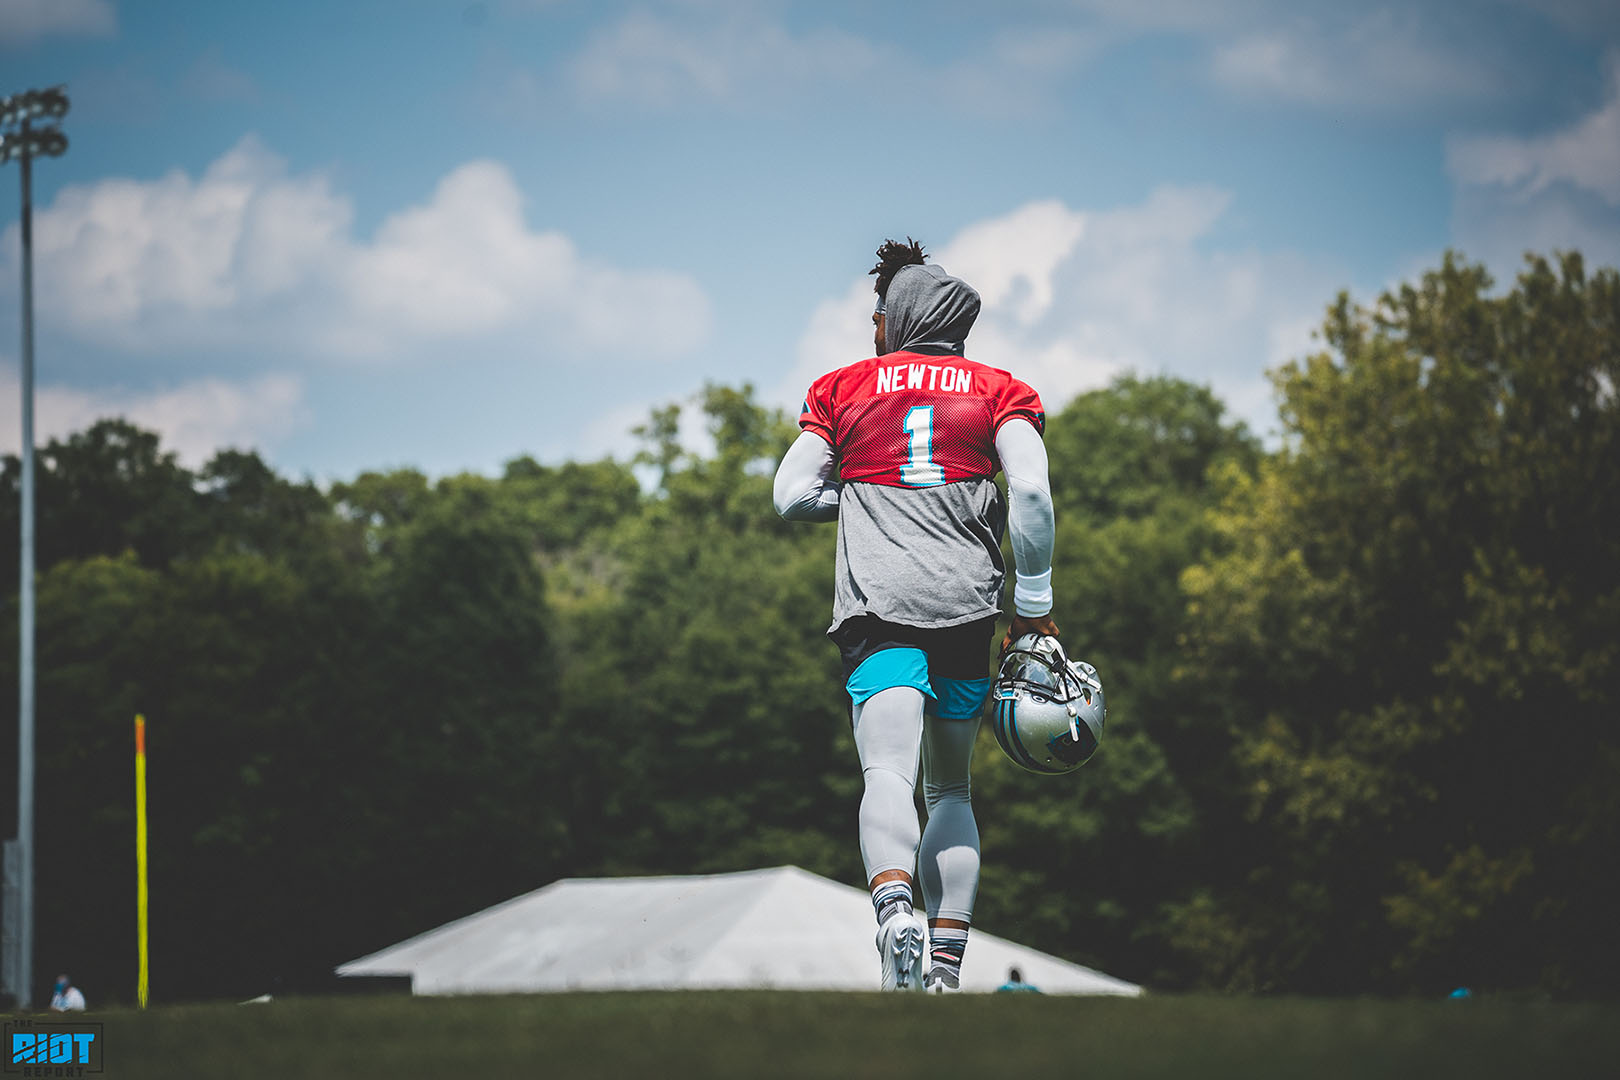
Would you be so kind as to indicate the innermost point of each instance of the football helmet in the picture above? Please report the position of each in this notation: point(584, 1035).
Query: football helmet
point(1047, 710)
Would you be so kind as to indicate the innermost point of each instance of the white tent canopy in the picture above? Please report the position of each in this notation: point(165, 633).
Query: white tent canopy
point(782, 928)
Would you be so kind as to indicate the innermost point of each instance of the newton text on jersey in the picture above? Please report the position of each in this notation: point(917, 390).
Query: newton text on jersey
point(924, 377)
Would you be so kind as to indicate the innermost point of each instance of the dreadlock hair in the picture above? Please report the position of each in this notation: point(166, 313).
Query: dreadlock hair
point(892, 256)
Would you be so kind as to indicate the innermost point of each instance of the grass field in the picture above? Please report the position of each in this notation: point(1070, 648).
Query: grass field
point(749, 1034)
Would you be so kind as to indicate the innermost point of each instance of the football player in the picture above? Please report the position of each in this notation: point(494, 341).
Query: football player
point(915, 437)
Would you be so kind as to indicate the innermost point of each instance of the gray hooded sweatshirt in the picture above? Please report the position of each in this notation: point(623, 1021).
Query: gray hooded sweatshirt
point(928, 311)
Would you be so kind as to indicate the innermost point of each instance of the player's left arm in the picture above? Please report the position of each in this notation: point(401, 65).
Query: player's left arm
point(1031, 522)
point(804, 489)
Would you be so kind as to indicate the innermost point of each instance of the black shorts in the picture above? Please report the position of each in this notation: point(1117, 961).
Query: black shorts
point(955, 671)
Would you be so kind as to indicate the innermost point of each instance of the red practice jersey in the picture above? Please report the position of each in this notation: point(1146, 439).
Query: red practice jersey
point(916, 420)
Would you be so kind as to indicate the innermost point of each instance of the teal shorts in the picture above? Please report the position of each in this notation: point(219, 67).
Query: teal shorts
point(950, 665)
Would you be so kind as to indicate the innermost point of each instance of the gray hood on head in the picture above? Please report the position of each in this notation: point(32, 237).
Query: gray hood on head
point(926, 308)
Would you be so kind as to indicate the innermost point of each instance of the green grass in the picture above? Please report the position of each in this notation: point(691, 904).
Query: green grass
point(859, 1035)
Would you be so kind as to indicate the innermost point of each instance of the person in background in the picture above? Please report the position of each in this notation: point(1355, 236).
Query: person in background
point(1015, 984)
point(67, 997)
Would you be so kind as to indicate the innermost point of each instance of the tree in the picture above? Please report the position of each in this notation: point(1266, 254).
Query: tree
point(1408, 643)
point(452, 755)
point(103, 491)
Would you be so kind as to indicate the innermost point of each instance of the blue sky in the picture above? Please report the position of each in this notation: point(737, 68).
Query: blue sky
point(441, 234)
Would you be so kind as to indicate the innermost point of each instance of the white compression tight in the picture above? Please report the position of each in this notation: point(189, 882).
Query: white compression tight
point(892, 736)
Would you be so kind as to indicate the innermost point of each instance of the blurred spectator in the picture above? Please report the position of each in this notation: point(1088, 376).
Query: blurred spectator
point(1015, 984)
point(67, 997)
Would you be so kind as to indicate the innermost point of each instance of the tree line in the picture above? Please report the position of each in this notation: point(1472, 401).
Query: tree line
point(1362, 683)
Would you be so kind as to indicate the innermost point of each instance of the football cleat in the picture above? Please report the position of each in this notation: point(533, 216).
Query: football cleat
point(902, 944)
point(941, 981)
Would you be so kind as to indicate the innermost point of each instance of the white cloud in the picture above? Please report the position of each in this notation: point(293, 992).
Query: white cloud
point(26, 21)
point(1380, 58)
point(465, 263)
point(1019, 71)
point(1013, 257)
point(1588, 17)
point(195, 418)
point(1555, 190)
point(1586, 155)
point(722, 51)
point(1075, 297)
point(248, 255)
point(1172, 15)
point(1327, 53)
point(1309, 51)
point(728, 53)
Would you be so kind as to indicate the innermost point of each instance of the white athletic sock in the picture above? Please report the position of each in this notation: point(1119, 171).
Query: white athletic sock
point(946, 947)
point(890, 897)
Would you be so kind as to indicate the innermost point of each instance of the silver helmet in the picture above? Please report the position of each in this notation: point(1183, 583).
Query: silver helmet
point(1048, 710)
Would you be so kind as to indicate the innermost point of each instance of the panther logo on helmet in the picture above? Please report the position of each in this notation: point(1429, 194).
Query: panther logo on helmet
point(1048, 711)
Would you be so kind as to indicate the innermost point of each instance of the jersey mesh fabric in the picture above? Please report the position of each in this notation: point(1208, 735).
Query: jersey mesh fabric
point(916, 420)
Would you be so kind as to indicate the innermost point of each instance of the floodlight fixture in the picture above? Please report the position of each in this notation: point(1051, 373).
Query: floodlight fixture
point(32, 142)
point(51, 103)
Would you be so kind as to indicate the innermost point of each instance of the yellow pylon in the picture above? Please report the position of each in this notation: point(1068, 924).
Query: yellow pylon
point(140, 855)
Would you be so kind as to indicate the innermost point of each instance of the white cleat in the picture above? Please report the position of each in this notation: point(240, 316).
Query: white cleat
point(902, 943)
point(940, 981)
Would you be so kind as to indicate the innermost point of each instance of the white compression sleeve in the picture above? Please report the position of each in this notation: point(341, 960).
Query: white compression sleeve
point(948, 860)
point(888, 737)
point(803, 490)
point(1029, 515)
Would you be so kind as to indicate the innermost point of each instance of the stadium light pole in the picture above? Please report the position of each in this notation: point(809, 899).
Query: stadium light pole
point(22, 140)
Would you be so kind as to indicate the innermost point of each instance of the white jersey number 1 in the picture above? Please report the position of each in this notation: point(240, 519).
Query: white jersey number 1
point(921, 471)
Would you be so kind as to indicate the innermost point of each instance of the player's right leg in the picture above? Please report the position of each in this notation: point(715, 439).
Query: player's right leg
point(888, 719)
point(886, 674)
point(888, 734)
point(888, 730)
